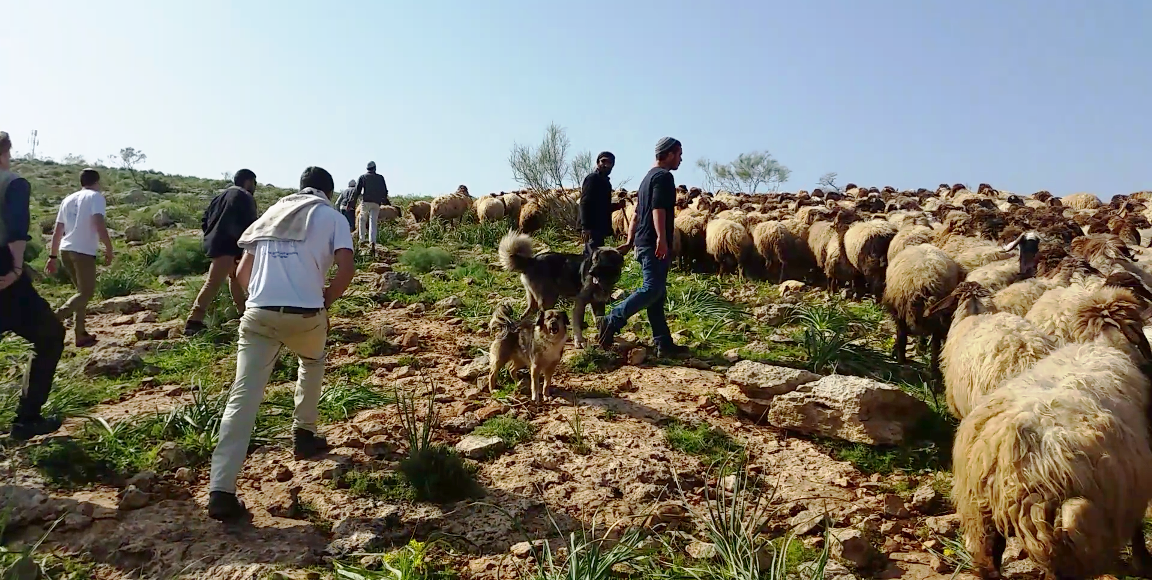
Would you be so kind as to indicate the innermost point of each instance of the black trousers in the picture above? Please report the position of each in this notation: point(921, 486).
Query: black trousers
point(594, 241)
point(26, 314)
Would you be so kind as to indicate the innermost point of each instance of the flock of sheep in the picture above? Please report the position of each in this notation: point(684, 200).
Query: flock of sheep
point(1034, 308)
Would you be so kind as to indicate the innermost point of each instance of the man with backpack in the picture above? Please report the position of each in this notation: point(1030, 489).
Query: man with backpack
point(227, 216)
point(375, 192)
point(347, 205)
point(22, 311)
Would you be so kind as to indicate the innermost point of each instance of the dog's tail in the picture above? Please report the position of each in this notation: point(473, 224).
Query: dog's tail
point(516, 251)
point(504, 321)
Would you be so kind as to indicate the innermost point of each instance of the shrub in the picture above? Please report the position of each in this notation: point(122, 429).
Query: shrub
point(511, 430)
point(423, 260)
point(182, 257)
point(119, 282)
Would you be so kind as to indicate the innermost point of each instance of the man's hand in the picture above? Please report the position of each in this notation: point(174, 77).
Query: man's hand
point(8, 279)
point(585, 235)
point(661, 248)
point(108, 256)
point(624, 248)
point(50, 267)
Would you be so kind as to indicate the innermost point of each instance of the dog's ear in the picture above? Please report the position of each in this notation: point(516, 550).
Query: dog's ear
point(540, 319)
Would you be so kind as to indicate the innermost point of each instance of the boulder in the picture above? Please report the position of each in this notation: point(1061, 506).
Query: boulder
point(851, 546)
point(112, 362)
point(757, 409)
point(479, 446)
point(137, 233)
point(450, 302)
point(163, 219)
point(152, 301)
point(398, 282)
point(764, 381)
point(473, 369)
point(851, 408)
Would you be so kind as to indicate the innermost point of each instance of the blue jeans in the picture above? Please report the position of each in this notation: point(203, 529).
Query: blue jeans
point(650, 296)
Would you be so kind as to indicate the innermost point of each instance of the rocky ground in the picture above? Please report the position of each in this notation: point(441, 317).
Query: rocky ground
point(598, 453)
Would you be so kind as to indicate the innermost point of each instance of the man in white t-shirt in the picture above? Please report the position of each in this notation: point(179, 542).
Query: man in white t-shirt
point(287, 254)
point(79, 227)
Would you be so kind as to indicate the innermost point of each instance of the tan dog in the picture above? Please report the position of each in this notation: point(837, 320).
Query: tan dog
point(538, 346)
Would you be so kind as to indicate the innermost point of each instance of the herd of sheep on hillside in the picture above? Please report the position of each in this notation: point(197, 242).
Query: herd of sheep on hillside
point(1035, 310)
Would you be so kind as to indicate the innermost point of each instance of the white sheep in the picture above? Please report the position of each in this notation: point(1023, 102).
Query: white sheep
point(918, 277)
point(728, 243)
point(984, 347)
point(1060, 456)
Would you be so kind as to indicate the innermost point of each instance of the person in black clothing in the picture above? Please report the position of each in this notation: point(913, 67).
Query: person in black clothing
point(346, 206)
point(227, 216)
point(375, 192)
point(22, 311)
point(651, 235)
point(596, 204)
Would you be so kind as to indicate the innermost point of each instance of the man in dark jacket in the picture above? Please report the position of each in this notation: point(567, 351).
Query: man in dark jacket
point(596, 204)
point(227, 216)
point(22, 311)
point(345, 204)
point(375, 192)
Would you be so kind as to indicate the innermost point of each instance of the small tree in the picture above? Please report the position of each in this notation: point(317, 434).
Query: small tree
point(73, 159)
point(747, 173)
point(547, 166)
point(129, 159)
point(828, 182)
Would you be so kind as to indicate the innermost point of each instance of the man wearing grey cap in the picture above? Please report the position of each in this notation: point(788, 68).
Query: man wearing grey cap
point(346, 205)
point(375, 192)
point(651, 235)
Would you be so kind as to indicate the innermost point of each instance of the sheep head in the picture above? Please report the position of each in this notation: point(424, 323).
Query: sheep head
point(967, 299)
point(1114, 317)
point(1029, 244)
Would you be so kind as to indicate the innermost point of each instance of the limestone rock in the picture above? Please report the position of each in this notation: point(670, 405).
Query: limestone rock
point(764, 381)
point(479, 446)
point(851, 408)
point(132, 498)
point(851, 546)
point(474, 369)
point(112, 362)
point(398, 282)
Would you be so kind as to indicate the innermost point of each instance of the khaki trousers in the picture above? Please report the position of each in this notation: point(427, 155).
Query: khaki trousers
point(262, 333)
point(369, 218)
point(81, 269)
point(222, 268)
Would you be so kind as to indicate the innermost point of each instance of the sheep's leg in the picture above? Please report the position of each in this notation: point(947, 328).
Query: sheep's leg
point(934, 362)
point(987, 550)
point(783, 264)
point(1141, 559)
point(900, 345)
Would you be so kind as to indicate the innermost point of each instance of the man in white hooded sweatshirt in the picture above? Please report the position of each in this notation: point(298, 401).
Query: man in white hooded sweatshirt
point(287, 254)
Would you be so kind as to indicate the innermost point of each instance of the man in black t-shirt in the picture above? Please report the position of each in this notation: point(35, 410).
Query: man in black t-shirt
point(651, 235)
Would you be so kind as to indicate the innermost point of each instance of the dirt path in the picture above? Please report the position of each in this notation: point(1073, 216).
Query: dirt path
point(628, 470)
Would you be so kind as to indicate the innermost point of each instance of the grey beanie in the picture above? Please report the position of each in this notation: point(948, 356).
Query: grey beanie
point(371, 165)
point(665, 145)
point(351, 183)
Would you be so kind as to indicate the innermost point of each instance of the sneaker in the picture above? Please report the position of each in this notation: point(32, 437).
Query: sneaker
point(23, 430)
point(605, 336)
point(194, 327)
point(671, 350)
point(225, 507)
point(307, 444)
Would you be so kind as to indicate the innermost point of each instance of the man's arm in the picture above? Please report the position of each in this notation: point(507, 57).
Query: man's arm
point(385, 183)
point(244, 270)
point(345, 269)
point(587, 194)
point(663, 197)
point(102, 231)
point(17, 219)
point(358, 191)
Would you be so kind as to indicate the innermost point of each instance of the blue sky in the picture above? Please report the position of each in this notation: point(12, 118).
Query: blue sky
point(1022, 94)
